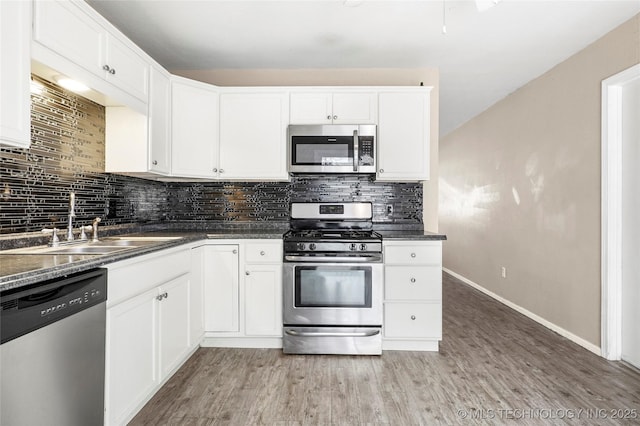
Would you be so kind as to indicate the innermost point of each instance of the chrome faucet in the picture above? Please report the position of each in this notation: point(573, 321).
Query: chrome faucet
point(94, 225)
point(72, 214)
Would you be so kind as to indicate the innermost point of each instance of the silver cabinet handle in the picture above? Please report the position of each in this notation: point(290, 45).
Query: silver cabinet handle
point(328, 117)
point(235, 251)
point(112, 71)
point(247, 273)
point(413, 255)
point(159, 297)
point(215, 170)
point(335, 117)
point(413, 317)
point(221, 170)
point(262, 253)
point(329, 334)
point(356, 157)
point(106, 67)
point(165, 294)
point(155, 162)
point(381, 170)
point(413, 280)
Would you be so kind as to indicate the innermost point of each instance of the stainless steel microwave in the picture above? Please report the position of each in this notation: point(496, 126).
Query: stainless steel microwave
point(332, 148)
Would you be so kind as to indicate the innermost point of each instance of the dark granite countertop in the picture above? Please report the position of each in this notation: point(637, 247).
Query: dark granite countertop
point(411, 234)
point(17, 270)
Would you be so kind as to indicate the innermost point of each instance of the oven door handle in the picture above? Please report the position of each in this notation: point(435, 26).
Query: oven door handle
point(319, 259)
point(331, 334)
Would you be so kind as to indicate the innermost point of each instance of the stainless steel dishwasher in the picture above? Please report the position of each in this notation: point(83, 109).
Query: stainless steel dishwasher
point(52, 351)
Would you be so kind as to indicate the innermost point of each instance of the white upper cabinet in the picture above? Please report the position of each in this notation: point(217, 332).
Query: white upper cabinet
point(73, 39)
point(194, 129)
point(403, 135)
point(340, 107)
point(253, 134)
point(159, 121)
point(15, 73)
point(126, 69)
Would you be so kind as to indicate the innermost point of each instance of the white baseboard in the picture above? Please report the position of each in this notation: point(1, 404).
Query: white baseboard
point(561, 331)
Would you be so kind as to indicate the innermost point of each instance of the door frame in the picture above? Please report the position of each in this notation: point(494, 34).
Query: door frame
point(611, 209)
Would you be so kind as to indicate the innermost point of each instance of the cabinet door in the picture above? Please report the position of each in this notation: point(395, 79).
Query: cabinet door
point(15, 66)
point(130, 355)
point(174, 324)
point(221, 289)
point(64, 28)
point(126, 69)
point(253, 132)
point(159, 109)
point(355, 108)
point(194, 129)
point(403, 136)
point(310, 108)
point(263, 300)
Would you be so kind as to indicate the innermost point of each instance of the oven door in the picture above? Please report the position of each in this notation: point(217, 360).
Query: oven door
point(332, 294)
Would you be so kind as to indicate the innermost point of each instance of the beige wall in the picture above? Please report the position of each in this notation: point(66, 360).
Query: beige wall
point(344, 77)
point(520, 188)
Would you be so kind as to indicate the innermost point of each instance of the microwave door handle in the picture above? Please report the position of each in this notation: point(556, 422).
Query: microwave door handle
point(355, 151)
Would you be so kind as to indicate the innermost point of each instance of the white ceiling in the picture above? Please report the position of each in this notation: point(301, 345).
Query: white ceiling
point(489, 50)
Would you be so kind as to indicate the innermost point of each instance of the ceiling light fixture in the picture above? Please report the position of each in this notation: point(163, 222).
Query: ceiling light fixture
point(70, 84)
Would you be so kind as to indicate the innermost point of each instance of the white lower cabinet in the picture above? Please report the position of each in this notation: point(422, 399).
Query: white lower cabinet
point(148, 329)
point(221, 287)
point(242, 281)
point(412, 295)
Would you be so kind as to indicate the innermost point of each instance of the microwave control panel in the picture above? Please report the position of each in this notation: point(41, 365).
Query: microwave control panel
point(366, 153)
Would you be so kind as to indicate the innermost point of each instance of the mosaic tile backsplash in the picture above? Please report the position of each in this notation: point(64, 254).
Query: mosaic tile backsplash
point(67, 154)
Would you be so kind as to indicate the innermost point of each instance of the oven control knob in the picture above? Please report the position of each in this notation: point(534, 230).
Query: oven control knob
point(301, 246)
point(353, 246)
point(363, 246)
point(312, 246)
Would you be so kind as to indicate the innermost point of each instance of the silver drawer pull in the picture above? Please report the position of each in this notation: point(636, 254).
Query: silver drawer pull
point(413, 317)
point(235, 251)
point(413, 255)
point(247, 273)
point(413, 280)
point(159, 297)
point(262, 253)
point(330, 334)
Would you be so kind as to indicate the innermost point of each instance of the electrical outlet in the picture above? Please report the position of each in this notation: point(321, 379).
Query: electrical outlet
point(503, 272)
point(389, 209)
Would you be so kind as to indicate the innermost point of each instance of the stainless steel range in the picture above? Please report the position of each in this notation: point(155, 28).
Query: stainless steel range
point(332, 280)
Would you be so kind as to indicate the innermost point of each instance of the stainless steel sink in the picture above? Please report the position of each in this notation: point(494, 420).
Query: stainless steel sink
point(105, 246)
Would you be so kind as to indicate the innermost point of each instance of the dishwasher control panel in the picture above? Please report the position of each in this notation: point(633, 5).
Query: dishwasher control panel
point(88, 297)
point(26, 309)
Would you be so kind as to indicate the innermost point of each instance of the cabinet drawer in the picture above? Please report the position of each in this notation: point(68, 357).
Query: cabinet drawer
point(263, 252)
point(413, 320)
point(424, 254)
point(413, 283)
point(129, 280)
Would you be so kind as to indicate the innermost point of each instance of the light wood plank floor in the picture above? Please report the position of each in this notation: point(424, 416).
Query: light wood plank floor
point(495, 366)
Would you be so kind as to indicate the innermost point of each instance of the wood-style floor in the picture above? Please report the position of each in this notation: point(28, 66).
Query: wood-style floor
point(495, 366)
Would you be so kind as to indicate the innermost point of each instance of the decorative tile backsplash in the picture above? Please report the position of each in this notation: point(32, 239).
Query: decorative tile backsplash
point(67, 154)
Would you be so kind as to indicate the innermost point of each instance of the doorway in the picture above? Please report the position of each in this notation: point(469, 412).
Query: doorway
point(621, 216)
